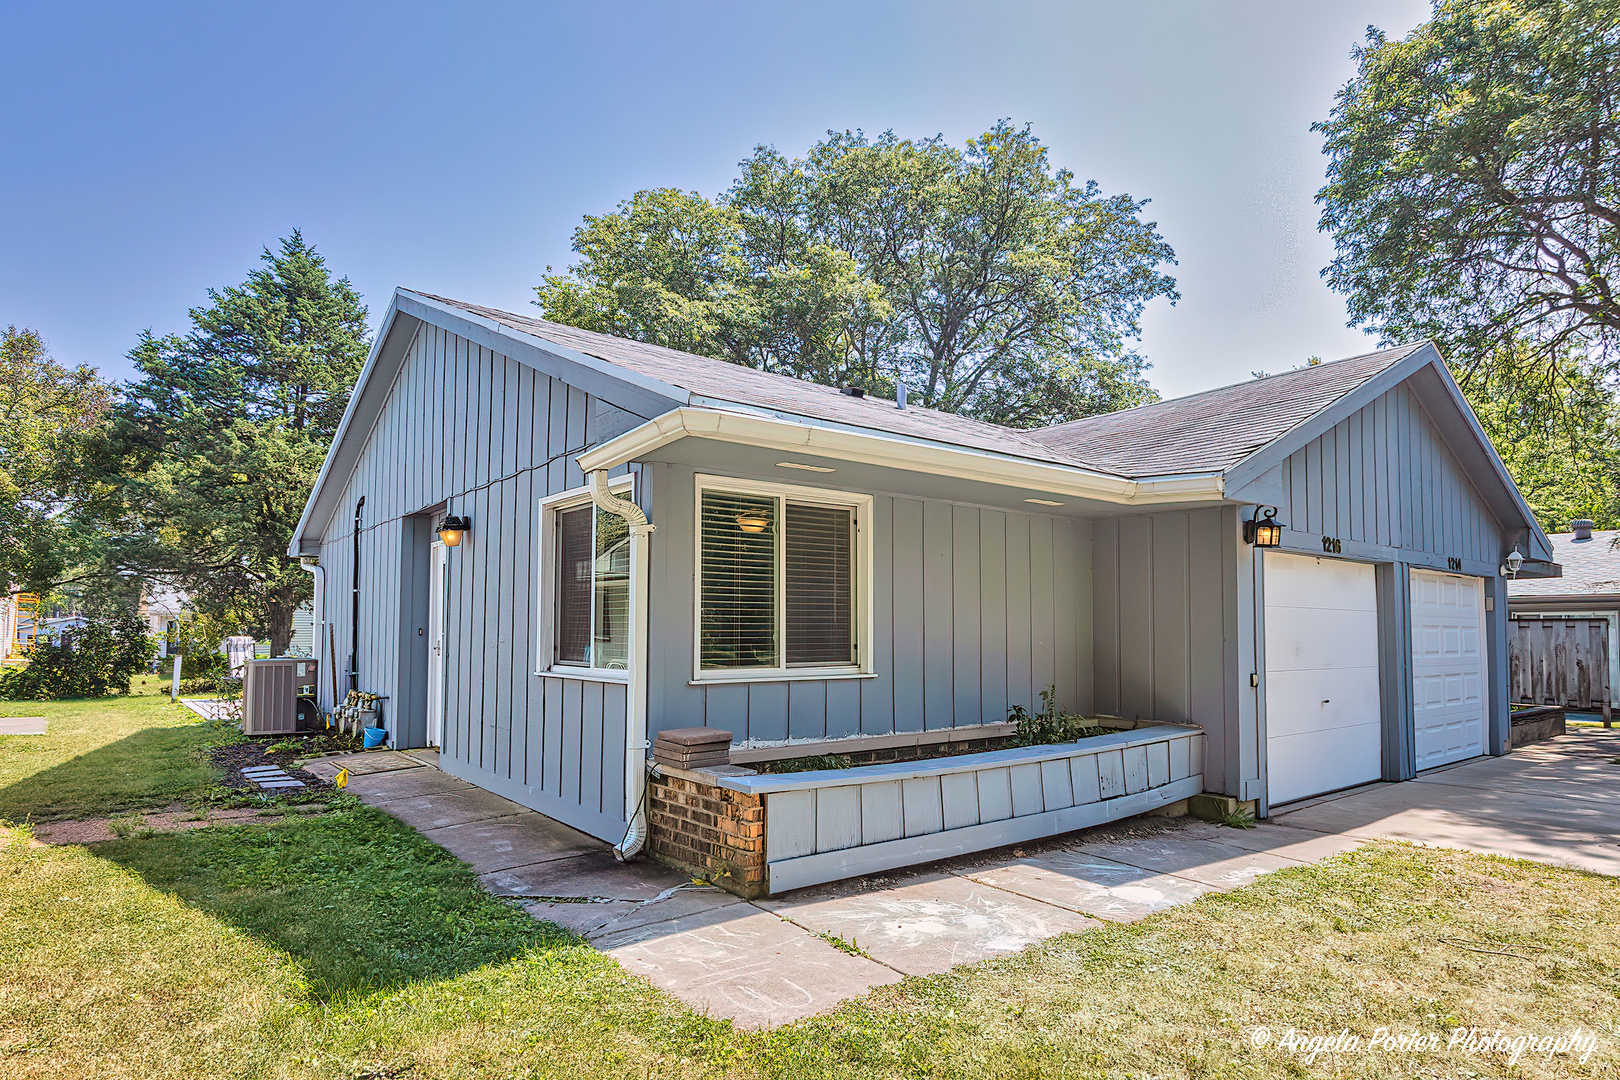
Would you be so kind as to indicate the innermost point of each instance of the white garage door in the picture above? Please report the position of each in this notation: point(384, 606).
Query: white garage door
point(1448, 667)
point(1322, 703)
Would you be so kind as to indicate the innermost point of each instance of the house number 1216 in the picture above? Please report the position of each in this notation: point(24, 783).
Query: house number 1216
point(1331, 545)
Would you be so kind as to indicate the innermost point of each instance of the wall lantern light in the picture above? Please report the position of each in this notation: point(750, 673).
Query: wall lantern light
point(753, 521)
point(1263, 532)
point(1511, 564)
point(451, 530)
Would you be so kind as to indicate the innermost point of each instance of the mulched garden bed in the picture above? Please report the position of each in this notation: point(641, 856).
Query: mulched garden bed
point(281, 752)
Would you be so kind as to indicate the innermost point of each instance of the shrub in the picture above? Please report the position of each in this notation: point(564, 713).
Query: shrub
point(1049, 725)
point(94, 661)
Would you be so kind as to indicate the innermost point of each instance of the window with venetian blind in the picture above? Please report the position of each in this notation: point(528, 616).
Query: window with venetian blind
point(777, 581)
point(591, 589)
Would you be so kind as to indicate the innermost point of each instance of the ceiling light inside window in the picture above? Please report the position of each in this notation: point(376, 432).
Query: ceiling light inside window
point(1044, 502)
point(802, 465)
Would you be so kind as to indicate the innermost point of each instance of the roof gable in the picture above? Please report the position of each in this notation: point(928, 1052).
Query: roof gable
point(1215, 430)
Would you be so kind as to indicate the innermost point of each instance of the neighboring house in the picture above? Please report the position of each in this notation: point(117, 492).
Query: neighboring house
point(1566, 630)
point(828, 566)
point(8, 623)
point(161, 609)
point(303, 632)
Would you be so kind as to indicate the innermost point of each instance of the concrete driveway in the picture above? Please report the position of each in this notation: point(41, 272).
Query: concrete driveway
point(1554, 802)
point(771, 961)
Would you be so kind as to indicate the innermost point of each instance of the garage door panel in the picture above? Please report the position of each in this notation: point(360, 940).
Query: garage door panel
point(1306, 639)
point(1305, 581)
point(1298, 702)
point(1323, 707)
point(1310, 764)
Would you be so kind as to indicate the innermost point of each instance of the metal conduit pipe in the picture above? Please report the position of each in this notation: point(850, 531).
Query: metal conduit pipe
point(635, 751)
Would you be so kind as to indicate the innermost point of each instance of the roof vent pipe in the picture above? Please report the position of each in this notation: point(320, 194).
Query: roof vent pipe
point(1582, 529)
point(899, 395)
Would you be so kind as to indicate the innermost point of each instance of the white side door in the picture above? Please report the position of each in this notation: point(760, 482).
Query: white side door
point(1448, 667)
point(436, 643)
point(1323, 711)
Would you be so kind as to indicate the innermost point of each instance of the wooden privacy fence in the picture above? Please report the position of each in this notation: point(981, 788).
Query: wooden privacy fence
point(1560, 661)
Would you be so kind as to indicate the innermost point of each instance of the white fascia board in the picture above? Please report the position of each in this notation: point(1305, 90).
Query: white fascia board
point(893, 451)
point(297, 547)
point(602, 368)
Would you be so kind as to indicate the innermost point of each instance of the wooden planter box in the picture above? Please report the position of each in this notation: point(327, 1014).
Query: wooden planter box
point(762, 835)
point(1535, 724)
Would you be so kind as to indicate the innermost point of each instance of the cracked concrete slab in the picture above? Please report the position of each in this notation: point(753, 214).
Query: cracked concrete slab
point(519, 840)
point(365, 763)
point(927, 923)
point(1301, 845)
point(598, 920)
point(1091, 885)
point(380, 788)
point(595, 875)
point(746, 965)
point(439, 809)
point(1213, 862)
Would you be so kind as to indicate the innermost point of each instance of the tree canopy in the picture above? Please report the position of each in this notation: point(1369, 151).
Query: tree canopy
point(1473, 186)
point(992, 284)
point(46, 410)
point(211, 454)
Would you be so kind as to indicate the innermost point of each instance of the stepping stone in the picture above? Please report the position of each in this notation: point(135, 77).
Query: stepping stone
point(287, 783)
point(22, 725)
point(261, 770)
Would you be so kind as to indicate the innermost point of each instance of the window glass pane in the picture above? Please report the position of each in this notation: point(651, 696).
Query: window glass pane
point(574, 585)
point(819, 582)
point(612, 591)
point(737, 614)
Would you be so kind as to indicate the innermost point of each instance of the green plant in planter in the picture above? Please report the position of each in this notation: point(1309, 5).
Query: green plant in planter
point(1050, 725)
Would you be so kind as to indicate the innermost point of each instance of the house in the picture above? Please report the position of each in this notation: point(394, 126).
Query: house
point(632, 539)
point(1565, 631)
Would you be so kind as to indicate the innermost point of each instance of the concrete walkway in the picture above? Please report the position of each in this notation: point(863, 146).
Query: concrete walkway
point(771, 961)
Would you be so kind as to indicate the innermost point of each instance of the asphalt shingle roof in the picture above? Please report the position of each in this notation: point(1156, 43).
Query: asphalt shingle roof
point(1206, 432)
point(1216, 429)
point(725, 381)
point(1590, 566)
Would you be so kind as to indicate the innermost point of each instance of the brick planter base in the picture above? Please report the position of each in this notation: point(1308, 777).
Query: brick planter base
point(709, 832)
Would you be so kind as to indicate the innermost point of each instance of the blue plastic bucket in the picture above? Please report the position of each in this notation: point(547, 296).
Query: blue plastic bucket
point(375, 737)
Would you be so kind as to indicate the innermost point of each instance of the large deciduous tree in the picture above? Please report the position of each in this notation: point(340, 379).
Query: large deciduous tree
point(992, 284)
point(46, 411)
point(212, 452)
point(1473, 187)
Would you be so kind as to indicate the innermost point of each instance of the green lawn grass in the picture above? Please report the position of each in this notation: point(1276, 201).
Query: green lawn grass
point(103, 756)
point(347, 945)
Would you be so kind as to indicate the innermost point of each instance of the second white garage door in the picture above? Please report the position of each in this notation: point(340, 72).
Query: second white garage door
point(1448, 667)
point(1322, 702)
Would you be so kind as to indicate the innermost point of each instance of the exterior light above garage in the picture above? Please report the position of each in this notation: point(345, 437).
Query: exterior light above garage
point(1263, 532)
point(451, 530)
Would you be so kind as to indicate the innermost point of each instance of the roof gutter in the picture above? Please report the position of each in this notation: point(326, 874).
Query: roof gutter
point(899, 452)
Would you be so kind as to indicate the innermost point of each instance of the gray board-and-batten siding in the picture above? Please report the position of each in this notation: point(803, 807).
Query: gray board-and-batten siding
point(1176, 592)
point(471, 430)
point(976, 609)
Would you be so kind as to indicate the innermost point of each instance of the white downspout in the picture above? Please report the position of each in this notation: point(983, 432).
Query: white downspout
point(313, 565)
point(635, 751)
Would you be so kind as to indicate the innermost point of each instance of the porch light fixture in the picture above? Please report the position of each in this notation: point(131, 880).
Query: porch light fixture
point(1263, 532)
point(1511, 564)
point(452, 528)
point(752, 521)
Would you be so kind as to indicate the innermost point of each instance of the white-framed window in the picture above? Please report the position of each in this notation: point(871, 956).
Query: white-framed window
point(584, 621)
point(782, 582)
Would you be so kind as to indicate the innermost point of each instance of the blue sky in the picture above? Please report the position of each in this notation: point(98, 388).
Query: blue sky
point(154, 149)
